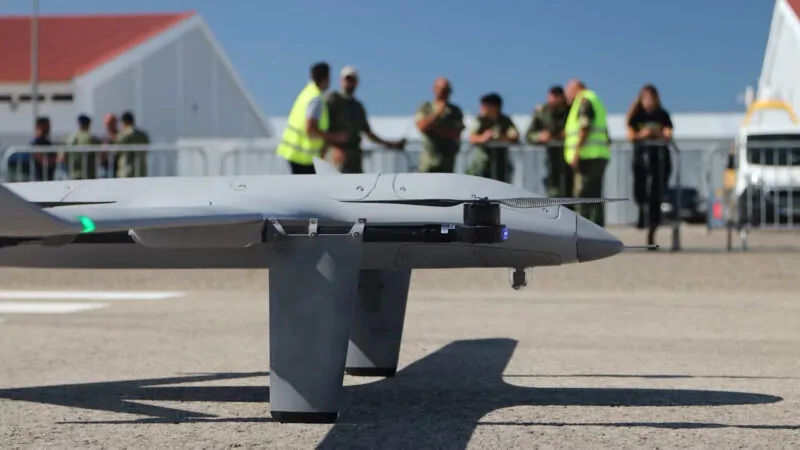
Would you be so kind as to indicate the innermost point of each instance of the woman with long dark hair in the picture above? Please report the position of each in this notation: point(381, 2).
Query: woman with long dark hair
point(648, 121)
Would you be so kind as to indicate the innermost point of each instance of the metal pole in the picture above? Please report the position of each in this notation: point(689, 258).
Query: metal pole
point(35, 60)
point(676, 227)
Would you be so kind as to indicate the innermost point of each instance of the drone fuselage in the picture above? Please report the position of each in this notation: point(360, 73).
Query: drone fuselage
point(536, 236)
point(340, 261)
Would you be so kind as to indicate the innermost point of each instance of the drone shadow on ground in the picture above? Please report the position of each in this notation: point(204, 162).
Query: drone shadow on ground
point(438, 399)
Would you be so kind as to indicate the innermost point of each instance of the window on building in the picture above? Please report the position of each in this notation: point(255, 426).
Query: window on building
point(28, 97)
point(62, 98)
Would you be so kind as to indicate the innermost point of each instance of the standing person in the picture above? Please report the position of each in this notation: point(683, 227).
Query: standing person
point(348, 114)
point(44, 164)
point(586, 147)
point(82, 165)
point(492, 127)
point(108, 168)
point(112, 128)
point(306, 135)
point(547, 129)
point(27, 166)
point(131, 164)
point(441, 124)
point(652, 162)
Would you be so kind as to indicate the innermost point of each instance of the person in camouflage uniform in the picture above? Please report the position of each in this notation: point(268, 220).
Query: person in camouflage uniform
point(83, 165)
point(492, 127)
point(547, 129)
point(441, 124)
point(131, 164)
point(349, 115)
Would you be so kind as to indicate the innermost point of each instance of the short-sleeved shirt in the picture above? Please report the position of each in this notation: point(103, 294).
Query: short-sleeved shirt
point(452, 119)
point(25, 157)
point(547, 118)
point(349, 115)
point(80, 138)
point(133, 136)
point(83, 165)
point(658, 118)
point(43, 172)
point(314, 108)
point(502, 127)
point(641, 119)
point(585, 113)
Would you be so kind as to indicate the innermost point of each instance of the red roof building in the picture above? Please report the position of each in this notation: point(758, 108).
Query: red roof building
point(168, 69)
point(70, 46)
point(795, 5)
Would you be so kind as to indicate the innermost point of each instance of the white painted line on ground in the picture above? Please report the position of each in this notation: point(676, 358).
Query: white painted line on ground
point(47, 308)
point(88, 295)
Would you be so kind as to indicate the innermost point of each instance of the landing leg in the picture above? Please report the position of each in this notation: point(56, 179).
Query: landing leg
point(377, 328)
point(313, 284)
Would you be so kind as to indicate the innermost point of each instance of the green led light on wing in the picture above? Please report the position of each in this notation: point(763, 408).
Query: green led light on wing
point(88, 224)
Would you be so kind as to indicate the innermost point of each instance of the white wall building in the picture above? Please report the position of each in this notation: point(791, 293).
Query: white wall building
point(166, 68)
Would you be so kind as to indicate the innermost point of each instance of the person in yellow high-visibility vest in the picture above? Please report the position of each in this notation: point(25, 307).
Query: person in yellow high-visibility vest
point(586, 147)
point(306, 135)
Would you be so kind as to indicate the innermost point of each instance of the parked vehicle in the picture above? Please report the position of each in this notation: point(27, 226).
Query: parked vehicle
point(693, 205)
point(767, 190)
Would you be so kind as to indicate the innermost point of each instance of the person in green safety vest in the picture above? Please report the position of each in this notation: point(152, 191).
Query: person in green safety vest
point(586, 147)
point(306, 134)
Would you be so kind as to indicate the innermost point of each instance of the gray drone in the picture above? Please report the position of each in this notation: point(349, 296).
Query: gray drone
point(340, 250)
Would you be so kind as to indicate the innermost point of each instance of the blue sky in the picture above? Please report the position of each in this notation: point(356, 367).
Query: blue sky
point(700, 54)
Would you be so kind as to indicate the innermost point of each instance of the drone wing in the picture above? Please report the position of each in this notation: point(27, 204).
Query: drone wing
point(22, 218)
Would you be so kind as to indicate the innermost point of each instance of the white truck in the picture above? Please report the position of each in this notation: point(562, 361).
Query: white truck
point(763, 175)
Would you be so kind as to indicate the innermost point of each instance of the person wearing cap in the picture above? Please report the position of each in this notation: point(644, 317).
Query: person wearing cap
point(347, 114)
point(82, 165)
point(441, 123)
point(307, 134)
point(547, 130)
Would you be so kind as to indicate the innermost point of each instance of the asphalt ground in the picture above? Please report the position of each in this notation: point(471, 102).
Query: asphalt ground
point(699, 348)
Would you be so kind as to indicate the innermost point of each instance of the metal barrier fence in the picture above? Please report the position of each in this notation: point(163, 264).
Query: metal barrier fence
point(48, 163)
point(264, 160)
point(529, 168)
point(759, 189)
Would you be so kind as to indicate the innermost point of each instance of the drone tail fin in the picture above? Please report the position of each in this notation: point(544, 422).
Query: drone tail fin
point(23, 218)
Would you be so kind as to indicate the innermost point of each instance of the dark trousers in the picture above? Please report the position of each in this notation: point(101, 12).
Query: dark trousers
point(559, 181)
point(497, 167)
point(301, 169)
point(652, 167)
point(588, 183)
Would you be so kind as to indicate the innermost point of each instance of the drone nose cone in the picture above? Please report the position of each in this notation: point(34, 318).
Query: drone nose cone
point(594, 242)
